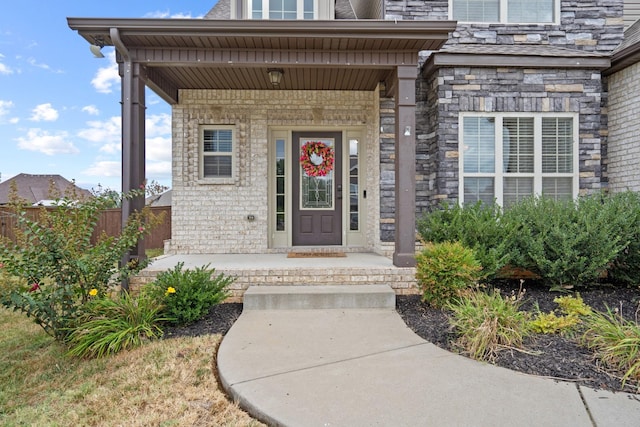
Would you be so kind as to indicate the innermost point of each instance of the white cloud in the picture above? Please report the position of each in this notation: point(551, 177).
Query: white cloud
point(107, 76)
point(47, 67)
point(158, 170)
point(4, 69)
point(105, 132)
point(157, 149)
point(47, 143)
point(5, 106)
point(167, 14)
point(91, 110)
point(5, 109)
point(158, 125)
point(44, 112)
point(105, 168)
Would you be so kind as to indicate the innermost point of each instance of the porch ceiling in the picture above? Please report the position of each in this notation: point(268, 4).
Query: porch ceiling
point(236, 54)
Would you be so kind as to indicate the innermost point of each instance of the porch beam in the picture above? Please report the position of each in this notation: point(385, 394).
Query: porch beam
point(405, 166)
point(165, 88)
point(175, 57)
point(133, 145)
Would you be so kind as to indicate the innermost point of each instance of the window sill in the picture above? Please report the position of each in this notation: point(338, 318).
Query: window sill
point(216, 181)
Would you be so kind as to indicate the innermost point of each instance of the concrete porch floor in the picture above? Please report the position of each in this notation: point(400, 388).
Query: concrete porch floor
point(276, 269)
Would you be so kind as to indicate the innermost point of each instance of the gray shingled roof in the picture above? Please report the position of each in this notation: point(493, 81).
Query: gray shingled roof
point(222, 10)
point(631, 37)
point(344, 10)
point(520, 49)
point(34, 188)
point(162, 199)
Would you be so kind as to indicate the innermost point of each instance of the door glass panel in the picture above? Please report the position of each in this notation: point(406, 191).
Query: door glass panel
point(280, 185)
point(317, 158)
point(354, 192)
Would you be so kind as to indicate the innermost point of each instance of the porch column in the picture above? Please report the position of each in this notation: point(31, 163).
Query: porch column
point(405, 167)
point(133, 144)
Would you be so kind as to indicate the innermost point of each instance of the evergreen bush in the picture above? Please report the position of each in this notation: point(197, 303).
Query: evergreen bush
point(188, 295)
point(444, 271)
point(476, 226)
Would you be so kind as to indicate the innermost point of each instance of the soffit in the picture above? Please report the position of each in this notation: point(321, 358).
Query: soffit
point(236, 54)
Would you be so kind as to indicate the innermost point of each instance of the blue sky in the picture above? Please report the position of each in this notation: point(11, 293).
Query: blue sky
point(60, 106)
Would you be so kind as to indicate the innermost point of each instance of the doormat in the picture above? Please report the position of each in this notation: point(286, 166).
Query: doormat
point(316, 255)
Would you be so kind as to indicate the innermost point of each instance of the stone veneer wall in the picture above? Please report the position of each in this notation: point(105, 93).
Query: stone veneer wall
point(623, 150)
point(450, 91)
point(212, 218)
point(587, 25)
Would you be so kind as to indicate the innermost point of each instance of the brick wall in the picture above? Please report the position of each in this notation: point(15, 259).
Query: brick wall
point(212, 218)
point(623, 150)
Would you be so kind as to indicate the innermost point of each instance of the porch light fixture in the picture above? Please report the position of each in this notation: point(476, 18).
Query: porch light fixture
point(275, 76)
point(96, 47)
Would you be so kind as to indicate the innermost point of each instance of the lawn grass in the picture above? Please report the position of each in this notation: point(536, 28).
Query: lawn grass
point(163, 383)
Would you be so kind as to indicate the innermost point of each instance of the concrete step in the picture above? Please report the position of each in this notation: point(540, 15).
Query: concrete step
point(319, 297)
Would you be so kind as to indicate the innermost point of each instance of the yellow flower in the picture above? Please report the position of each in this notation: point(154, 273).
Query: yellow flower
point(170, 290)
point(93, 292)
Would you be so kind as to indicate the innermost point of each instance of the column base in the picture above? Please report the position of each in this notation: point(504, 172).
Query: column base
point(404, 260)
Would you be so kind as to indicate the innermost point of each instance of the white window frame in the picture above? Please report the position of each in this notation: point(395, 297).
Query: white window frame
point(498, 175)
point(503, 15)
point(201, 155)
point(248, 7)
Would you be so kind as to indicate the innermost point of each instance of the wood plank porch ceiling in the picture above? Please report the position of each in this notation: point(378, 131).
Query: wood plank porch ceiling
point(236, 54)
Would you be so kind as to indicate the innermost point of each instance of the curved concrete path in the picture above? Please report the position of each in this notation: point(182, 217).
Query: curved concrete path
point(365, 367)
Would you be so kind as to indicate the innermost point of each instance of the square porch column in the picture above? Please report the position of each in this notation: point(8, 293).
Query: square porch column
point(405, 166)
point(133, 144)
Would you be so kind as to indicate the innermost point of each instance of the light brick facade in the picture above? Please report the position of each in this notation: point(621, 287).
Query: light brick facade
point(212, 217)
point(623, 151)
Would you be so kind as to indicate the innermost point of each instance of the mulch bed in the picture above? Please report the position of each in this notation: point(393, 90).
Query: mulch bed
point(551, 356)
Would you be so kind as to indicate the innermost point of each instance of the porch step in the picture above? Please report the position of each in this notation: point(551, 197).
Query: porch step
point(319, 297)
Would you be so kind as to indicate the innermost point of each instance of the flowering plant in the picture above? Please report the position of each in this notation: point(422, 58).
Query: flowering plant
point(57, 265)
point(317, 158)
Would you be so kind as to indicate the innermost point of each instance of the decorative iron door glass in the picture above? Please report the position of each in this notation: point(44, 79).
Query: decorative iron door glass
point(317, 159)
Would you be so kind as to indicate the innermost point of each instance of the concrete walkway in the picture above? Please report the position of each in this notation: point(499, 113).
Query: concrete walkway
point(361, 366)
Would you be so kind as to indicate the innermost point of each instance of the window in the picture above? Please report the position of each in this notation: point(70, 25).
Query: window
point(506, 157)
point(282, 9)
point(506, 11)
point(217, 145)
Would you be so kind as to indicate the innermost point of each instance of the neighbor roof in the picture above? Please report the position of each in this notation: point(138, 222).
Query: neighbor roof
point(34, 188)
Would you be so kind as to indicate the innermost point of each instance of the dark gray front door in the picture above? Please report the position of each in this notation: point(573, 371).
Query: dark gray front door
point(317, 188)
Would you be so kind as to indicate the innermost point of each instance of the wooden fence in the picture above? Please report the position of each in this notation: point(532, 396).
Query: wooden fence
point(110, 222)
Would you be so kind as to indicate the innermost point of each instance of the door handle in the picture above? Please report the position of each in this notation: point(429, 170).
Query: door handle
point(339, 192)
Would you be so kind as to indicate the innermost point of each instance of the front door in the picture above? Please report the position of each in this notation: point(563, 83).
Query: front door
point(317, 188)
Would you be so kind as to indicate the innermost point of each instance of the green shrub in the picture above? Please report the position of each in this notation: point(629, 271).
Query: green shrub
point(566, 243)
point(487, 322)
point(573, 309)
point(58, 265)
point(625, 211)
point(550, 323)
point(445, 270)
point(616, 342)
point(476, 226)
point(188, 295)
point(107, 326)
point(573, 305)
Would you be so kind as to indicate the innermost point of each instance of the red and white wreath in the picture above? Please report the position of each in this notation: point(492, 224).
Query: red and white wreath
point(317, 158)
